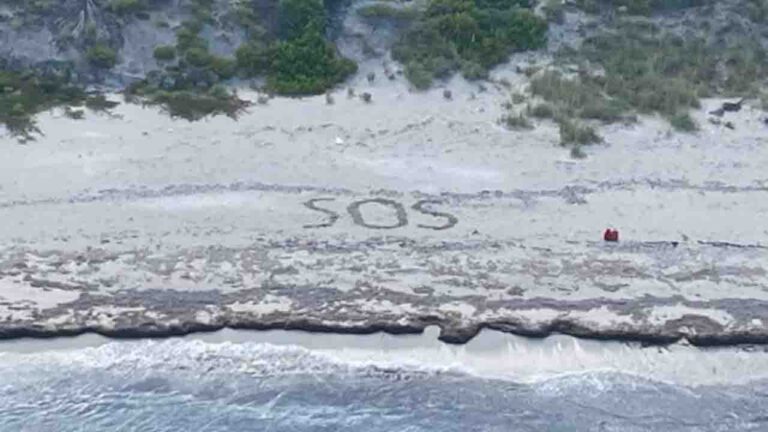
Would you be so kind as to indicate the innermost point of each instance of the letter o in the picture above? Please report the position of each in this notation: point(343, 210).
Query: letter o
point(357, 216)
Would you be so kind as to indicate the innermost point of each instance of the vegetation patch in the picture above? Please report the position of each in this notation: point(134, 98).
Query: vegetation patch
point(102, 56)
point(638, 68)
point(165, 53)
point(127, 7)
point(385, 11)
point(542, 111)
point(516, 122)
point(575, 97)
point(683, 122)
point(307, 65)
point(467, 35)
point(638, 7)
point(574, 133)
point(24, 94)
point(188, 104)
point(302, 61)
point(188, 86)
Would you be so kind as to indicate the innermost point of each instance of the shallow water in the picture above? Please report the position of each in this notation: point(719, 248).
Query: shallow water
point(196, 385)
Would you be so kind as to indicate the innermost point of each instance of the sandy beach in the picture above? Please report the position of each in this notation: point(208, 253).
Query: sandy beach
point(409, 211)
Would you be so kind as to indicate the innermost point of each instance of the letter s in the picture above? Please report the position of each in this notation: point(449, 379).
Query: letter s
point(451, 219)
point(332, 215)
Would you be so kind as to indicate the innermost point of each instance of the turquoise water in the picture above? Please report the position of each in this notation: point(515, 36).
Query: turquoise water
point(185, 385)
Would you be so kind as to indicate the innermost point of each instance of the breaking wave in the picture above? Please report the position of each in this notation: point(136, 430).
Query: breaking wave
point(178, 385)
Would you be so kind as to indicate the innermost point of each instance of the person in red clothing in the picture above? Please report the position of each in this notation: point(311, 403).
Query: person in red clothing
point(611, 235)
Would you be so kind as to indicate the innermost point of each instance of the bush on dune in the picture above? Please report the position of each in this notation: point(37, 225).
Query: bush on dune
point(467, 35)
point(651, 72)
point(303, 61)
point(307, 65)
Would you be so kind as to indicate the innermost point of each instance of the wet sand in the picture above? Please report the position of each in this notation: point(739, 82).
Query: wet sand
point(491, 354)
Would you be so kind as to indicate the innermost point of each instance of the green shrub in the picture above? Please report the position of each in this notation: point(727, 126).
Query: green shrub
point(473, 71)
point(297, 17)
point(650, 71)
point(467, 35)
point(194, 106)
point(190, 105)
point(516, 121)
point(603, 109)
point(577, 152)
point(307, 65)
point(576, 97)
point(542, 111)
point(125, 7)
point(202, 10)
point(638, 7)
point(253, 58)
point(683, 122)
point(198, 57)
point(244, 14)
point(187, 36)
point(426, 55)
point(22, 95)
point(418, 75)
point(102, 56)
point(165, 53)
point(384, 11)
point(574, 133)
point(223, 67)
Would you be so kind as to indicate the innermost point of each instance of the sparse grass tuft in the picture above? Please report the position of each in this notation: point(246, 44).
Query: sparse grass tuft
point(542, 111)
point(516, 122)
point(554, 10)
point(572, 133)
point(577, 97)
point(683, 122)
point(648, 71)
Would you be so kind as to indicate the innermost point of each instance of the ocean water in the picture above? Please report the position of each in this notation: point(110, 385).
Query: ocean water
point(195, 385)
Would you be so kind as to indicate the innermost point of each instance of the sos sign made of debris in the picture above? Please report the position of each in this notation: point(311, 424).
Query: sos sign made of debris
point(401, 215)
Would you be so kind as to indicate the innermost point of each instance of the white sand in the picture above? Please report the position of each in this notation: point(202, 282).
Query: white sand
point(140, 201)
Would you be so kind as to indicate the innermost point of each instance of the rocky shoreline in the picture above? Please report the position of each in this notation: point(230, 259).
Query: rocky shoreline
point(692, 329)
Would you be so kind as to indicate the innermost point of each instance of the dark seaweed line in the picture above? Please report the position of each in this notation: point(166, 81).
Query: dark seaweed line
point(449, 333)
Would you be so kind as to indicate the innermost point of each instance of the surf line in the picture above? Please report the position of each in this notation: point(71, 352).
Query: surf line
point(400, 213)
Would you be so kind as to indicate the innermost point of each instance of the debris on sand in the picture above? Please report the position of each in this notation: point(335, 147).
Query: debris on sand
point(733, 106)
point(728, 107)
